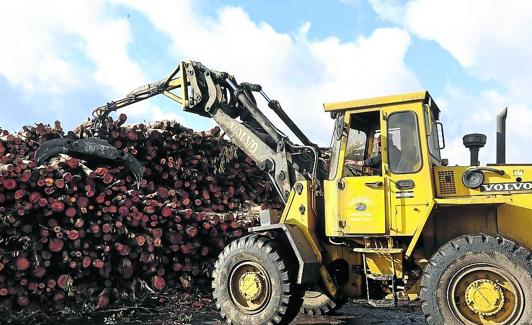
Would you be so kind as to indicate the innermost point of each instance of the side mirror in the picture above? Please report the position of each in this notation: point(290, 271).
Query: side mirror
point(428, 116)
point(439, 129)
point(339, 127)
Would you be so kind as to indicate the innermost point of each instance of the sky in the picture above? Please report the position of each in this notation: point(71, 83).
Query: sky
point(61, 59)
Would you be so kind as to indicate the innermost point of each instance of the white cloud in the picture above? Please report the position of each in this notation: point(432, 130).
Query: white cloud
point(300, 72)
point(65, 46)
point(470, 112)
point(354, 3)
point(492, 41)
point(458, 154)
point(27, 58)
point(146, 112)
point(365, 67)
point(45, 42)
point(391, 10)
point(465, 112)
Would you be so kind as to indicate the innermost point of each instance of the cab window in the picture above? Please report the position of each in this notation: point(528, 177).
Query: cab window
point(362, 143)
point(404, 149)
point(356, 144)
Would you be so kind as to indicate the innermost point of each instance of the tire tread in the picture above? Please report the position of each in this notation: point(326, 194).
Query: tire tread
point(457, 247)
point(289, 291)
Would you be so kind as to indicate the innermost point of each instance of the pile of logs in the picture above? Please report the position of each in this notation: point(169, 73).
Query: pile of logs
point(75, 229)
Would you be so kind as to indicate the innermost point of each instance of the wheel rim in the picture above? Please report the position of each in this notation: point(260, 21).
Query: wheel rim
point(250, 287)
point(485, 294)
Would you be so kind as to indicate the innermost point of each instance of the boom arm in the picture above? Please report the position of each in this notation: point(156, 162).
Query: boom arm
point(232, 105)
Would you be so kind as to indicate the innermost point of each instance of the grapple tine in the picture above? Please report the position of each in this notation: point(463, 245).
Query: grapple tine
point(133, 165)
point(95, 147)
point(52, 148)
point(88, 148)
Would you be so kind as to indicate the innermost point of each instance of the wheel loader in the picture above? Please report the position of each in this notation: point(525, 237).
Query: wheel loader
point(378, 214)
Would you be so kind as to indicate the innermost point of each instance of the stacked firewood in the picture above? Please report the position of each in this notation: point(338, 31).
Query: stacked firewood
point(78, 229)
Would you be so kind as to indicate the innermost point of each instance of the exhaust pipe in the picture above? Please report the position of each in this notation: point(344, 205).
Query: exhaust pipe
point(501, 136)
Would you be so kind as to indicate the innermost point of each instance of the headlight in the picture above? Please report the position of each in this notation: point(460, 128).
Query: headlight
point(472, 178)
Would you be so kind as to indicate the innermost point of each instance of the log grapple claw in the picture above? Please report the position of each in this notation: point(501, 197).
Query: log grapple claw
point(90, 148)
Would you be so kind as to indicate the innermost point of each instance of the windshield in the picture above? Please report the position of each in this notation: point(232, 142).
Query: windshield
point(404, 150)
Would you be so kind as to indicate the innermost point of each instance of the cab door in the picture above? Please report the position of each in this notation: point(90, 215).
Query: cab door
point(407, 168)
point(361, 191)
point(362, 207)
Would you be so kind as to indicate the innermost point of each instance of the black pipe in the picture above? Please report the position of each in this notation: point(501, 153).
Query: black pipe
point(474, 156)
point(276, 107)
point(255, 112)
point(474, 142)
point(501, 136)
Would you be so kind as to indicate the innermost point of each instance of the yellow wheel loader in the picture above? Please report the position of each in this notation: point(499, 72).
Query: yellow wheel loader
point(378, 214)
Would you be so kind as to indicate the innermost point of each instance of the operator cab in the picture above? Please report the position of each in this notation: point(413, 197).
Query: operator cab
point(384, 150)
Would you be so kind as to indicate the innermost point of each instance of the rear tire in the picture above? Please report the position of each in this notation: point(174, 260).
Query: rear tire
point(476, 279)
point(318, 303)
point(254, 282)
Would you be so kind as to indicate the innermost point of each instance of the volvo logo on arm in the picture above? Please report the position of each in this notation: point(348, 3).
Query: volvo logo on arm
point(242, 136)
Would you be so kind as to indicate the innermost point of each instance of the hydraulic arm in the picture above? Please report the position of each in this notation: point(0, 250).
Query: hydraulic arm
point(232, 105)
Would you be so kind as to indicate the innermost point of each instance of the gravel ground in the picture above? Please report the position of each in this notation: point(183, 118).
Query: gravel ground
point(357, 312)
point(197, 308)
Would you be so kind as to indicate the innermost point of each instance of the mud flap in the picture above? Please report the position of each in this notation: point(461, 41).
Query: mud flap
point(308, 262)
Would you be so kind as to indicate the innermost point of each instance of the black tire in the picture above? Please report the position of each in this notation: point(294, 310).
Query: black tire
point(318, 303)
point(472, 260)
point(275, 266)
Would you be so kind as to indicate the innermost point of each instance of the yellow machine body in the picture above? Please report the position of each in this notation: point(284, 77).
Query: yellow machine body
point(388, 203)
point(501, 205)
point(390, 212)
point(300, 212)
point(366, 206)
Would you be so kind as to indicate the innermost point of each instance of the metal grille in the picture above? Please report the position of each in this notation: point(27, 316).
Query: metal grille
point(447, 185)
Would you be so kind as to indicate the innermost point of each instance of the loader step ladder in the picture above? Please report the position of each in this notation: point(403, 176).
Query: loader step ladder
point(391, 277)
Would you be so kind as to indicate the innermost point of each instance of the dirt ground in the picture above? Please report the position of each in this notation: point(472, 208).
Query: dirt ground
point(357, 312)
point(180, 311)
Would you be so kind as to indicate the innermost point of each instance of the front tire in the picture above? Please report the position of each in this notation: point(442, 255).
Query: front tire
point(478, 279)
point(254, 283)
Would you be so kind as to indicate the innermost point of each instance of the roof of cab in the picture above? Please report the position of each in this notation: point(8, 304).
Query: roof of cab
point(379, 101)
